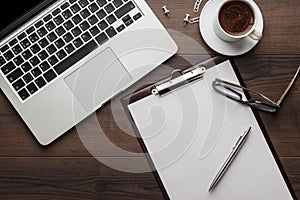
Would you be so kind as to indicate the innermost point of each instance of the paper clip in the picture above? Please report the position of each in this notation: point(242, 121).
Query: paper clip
point(197, 5)
point(194, 20)
point(178, 79)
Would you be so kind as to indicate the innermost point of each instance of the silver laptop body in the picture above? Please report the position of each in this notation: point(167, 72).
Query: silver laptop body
point(53, 89)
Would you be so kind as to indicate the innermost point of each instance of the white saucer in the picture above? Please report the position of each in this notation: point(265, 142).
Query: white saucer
point(219, 45)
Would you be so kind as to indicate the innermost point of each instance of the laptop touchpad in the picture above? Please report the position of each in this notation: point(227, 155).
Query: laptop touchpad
point(98, 80)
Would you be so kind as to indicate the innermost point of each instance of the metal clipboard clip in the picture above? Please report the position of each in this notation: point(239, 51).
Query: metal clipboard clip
point(178, 79)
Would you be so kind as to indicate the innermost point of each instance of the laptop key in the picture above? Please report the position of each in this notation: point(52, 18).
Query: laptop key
point(51, 49)
point(50, 26)
point(109, 8)
point(8, 55)
point(25, 43)
point(84, 26)
point(124, 9)
point(17, 49)
point(59, 43)
point(67, 14)
point(43, 55)
point(21, 36)
point(60, 31)
point(75, 57)
point(32, 88)
point(49, 75)
point(33, 37)
point(34, 61)
point(52, 36)
point(26, 67)
point(47, 18)
point(75, 8)
point(2, 61)
point(61, 54)
point(94, 31)
point(40, 82)
point(68, 37)
point(68, 25)
point(4, 48)
point(93, 20)
point(103, 25)
point(65, 5)
point(101, 2)
point(93, 7)
point(13, 42)
point(111, 32)
point(18, 60)
point(43, 42)
point(111, 19)
point(101, 14)
point(53, 60)
point(58, 20)
point(42, 31)
point(8, 68)
point(56, 12)
point(85, 13)
point(23, 94)
point(117, 3)
point(26, 54)
point(36, 72)
point(27, 78)
point(102, 38)
point(78, 42)
point(76, 31)
point(137, 16)
point(44, 66)
point(69, 48)
point(15, 75)
point(35, 48)
point(129, 22)
point(76, 19)
point(83, 3)
point(86, 36)
point(39, 24)
point(18, 84)
point(126, 18)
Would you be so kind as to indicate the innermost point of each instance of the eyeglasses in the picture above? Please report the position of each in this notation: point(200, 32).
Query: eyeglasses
point(260, 102)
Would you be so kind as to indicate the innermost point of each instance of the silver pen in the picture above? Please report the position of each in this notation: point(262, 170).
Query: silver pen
point(229, 159)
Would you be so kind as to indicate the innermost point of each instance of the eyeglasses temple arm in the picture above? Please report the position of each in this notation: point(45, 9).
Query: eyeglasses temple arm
point(288, 88)
point(244, 88)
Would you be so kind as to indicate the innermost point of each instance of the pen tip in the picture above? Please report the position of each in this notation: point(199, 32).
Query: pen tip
point(210, 188)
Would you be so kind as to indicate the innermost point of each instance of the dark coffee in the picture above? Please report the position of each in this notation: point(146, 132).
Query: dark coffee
point(236, 17)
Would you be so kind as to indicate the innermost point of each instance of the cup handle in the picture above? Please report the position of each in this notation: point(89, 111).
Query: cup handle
point(255, 35)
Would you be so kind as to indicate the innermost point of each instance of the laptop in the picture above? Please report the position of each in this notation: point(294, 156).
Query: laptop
point(62, 60)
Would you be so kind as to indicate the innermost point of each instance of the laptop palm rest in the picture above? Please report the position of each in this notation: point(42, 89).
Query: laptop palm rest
point(98, 80)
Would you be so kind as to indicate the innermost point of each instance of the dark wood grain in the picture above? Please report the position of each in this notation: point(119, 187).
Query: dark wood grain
point(67, 170)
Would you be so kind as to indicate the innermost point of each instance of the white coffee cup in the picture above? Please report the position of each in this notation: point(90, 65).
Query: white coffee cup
point(229, 37)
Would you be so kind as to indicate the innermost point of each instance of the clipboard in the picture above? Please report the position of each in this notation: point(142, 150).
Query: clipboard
point(181, 80)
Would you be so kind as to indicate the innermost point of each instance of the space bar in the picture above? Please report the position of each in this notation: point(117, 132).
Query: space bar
point(75, 57)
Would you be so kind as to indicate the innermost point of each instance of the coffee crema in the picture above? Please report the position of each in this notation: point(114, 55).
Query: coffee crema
point(236, 18)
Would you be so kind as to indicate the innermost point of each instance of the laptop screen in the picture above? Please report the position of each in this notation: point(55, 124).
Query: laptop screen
point(12, 10)
point(15, 12)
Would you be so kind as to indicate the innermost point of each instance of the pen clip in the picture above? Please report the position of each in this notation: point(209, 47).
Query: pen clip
point(178, 79)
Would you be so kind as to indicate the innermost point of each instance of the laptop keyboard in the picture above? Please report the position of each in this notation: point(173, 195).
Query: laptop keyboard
point(42, 52)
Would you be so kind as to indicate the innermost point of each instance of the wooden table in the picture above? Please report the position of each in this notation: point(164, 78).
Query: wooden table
point(66, 170)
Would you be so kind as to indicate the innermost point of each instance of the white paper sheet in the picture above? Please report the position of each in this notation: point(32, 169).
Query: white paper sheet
point(189, 133)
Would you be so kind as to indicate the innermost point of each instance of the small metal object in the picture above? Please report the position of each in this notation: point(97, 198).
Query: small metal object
point(197, 5)
point(194, 20)
point(166, 11)
point(186, 19)
point(179, 79)
point(229, 159)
